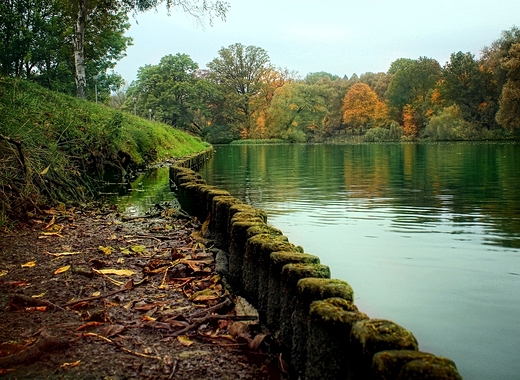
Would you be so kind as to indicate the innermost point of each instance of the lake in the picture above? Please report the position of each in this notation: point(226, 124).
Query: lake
point(428, 235)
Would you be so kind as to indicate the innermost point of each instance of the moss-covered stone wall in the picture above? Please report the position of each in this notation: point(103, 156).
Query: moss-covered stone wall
point(323, 334)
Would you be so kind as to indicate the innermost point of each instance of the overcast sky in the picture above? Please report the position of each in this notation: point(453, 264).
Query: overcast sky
point(339, 37)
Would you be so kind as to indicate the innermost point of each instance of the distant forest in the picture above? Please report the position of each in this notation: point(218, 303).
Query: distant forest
point(242, 95)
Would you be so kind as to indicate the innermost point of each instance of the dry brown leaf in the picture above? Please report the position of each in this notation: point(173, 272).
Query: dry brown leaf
point(112, 330)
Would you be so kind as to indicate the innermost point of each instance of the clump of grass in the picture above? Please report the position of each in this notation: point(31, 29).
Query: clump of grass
point(55, 148)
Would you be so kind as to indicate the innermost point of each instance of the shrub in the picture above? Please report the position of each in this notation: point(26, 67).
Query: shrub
point(449, 124)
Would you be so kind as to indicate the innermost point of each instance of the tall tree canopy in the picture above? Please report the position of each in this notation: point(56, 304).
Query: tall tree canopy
point(173, 93)
point(362, 107)
point(240, 72)
point(83, 9)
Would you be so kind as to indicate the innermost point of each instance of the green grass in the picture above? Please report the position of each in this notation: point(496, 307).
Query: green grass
point(55, 148)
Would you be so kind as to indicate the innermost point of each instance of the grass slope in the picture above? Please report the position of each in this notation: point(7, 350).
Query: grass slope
point(54, 147)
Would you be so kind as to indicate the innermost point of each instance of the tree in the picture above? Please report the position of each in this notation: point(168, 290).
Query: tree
point(469, 85)
point(35, 43)
point(362, 107)
point(298, 111)
point(509, 112)
point(412, 84)
point(173, 92)
point(240, 71)
point(83, 9)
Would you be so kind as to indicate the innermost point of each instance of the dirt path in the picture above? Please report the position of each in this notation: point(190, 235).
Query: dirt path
point(90, 295)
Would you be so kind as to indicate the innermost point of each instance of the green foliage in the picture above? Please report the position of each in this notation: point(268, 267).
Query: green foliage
point(392, 131)
point(174, 93)
point(220, 134)
point(54, 147)
point(448, 125)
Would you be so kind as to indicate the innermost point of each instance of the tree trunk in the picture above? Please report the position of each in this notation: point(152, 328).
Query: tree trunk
point(79, 50)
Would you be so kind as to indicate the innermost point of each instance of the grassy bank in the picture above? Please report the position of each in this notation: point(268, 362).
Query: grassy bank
point(55, 148)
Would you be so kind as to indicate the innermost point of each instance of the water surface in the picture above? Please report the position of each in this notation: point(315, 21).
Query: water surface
point(428, 235)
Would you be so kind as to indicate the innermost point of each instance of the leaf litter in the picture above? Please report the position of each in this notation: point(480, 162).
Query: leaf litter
point(88, 293)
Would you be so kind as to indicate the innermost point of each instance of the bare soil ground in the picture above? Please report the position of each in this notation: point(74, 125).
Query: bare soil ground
point(88, 294)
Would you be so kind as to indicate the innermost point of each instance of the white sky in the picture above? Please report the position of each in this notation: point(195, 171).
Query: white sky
point(339, 37)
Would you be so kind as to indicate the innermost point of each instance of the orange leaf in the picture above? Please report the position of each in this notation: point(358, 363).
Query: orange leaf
point(62, 269)
point(29, 264)
point(73, 364)
point(89, 324)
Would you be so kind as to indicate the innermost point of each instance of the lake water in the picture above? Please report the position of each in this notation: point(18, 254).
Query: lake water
point(428, 235)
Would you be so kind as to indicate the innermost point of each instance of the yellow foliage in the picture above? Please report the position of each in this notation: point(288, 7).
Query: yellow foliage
point(361, 106)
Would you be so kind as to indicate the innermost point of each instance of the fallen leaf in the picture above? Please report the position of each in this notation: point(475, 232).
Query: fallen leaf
point(112, 330)
point(45, 235)
point(73, 364)
point(59, 254)
point(50, 223)
point(95, 294)
point(36, 308)
point(29, 264)
point(117, 272)
point(138, 248)
point(89, 324)
point(148, 318)
point(184, 340)
point(3, 272)
point(6, 371)
point(39, 295)
point(105, 250)
point(125, 251)
point(62, 269)
point(10, 348)
point(44, 171)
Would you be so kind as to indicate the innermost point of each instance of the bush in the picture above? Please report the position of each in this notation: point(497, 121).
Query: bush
point(220, 134)
point(449, 124)
point(391, 131)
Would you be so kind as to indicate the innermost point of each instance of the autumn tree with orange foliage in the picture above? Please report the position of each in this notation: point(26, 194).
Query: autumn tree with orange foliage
point(362, 107)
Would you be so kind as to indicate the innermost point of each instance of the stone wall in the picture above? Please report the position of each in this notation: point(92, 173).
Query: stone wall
point(322, 333)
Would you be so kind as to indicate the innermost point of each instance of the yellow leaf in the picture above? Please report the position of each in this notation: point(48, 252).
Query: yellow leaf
point(73, 364)
point(147, 318)
point(138, 248)
point(29, 264)
point(58, 254)
point(62, 269)
point(125, 251)
point(117, 272)
point(105, 250)
point(95, 294)
point(39, 295)
point(3, 272)
point(44, 171)
point(184, 340)
point(121, 260)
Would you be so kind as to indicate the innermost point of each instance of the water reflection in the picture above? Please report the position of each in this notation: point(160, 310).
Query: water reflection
point(427, 234)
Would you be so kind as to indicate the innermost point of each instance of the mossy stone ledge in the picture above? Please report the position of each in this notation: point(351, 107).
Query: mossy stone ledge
point(310, 290)
point(220, 219)
point(245, 208)
point(188, 196)
point(406, 364)
point(237, 247)
point(201, 211)
point(371, 336)
point(328, 344)
point(277, 261)
point(258, 249)
point(291, 274)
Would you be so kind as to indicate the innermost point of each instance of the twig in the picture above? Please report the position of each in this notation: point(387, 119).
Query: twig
point(45, 344)
point(121, 347)
point(128, 286)
point(21, 300)
point(18, 145)
point(210, 309)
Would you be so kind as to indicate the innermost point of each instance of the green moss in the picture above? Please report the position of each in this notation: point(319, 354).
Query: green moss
point(390, 364)
point(313, 289)
point(242, 207)
point(336, 310)
point(376, 335)
point(292, 273)
point(264, 229)
point(286, 257)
